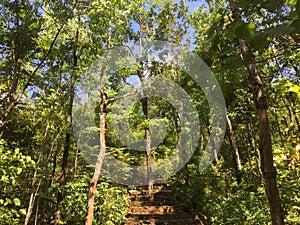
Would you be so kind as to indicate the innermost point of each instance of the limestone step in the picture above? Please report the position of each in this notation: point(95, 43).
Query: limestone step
point(135, 193)
point(163, 222)
point(159, 196)
point(151, 203)
point(163, 209)
point(171, 216)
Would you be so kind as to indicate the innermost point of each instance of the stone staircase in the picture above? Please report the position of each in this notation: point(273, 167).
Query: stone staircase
point(162, 209)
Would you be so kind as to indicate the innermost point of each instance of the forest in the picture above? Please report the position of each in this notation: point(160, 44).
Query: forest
point(150, 112)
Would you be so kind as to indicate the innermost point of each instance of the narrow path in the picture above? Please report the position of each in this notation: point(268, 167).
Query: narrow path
point(162, 210)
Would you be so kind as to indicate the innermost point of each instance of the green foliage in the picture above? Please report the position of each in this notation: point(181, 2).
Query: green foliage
point(271, 29)
point(13, 165)
point(217, 198)
point(35, 130)
point(245, 30)
point(288, 165)
point(111, 202)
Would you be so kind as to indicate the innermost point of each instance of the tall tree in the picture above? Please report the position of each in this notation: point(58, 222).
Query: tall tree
point(67, 144)
point(259, 98)
point(102, 120)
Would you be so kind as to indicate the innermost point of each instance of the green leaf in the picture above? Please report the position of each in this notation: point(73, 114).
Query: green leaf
point(17, 151)
point(5, 179)
point(28, 159)
point(212, 31)
point(234, 61)
point(288, 84)
point(22, 14)
point(254, 1)
point(259, 41)
point(17, 201)
point(7, 201)
point(242, 3)
point(294, 88)
point(91, 12)
point(245, 31)
point(230, 32)
point(279, 30)
point(271, 5)
point(22, 211)
point(298, 7)
point(218, 17)
point(19, 170)
point(296, 25)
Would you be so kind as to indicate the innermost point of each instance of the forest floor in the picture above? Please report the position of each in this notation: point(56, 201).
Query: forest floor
point(162, 209)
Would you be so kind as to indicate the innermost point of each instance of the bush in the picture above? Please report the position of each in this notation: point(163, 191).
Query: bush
point(111, 202)
point(13, 166)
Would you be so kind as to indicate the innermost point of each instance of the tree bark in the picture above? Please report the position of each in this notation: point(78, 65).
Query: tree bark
point(142, 76)
point(101, 155)
point(64, 166)
point(235, 151)
point(35, 191)
point(144, 101)
point(97, 171)
point(269, 171)
point(148, 148)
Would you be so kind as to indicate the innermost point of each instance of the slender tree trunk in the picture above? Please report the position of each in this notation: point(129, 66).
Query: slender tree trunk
point(254, 148)
point(216, 157)
point(269, 171)
point(79, 141)
point(37, 212)
point(148, 148)
point(142, 76)
point(64, 166)
point(97, 171)
point(101, 155)
point(54, 164)
point(35, 191)
point(235, 151)
point(181, 138)
point(215, 153)
point(148, 138)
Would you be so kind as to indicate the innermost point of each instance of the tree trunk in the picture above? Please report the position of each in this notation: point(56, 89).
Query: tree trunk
point(255, 148)
point(64, 166)
point(181, 138)
point(79, 141)
point(35, 190)
point(97, 171)
point(235, 151)
point(142, 76)
point(148, 148)
point(101, 155)
point(269, 171)
point(216, 157)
